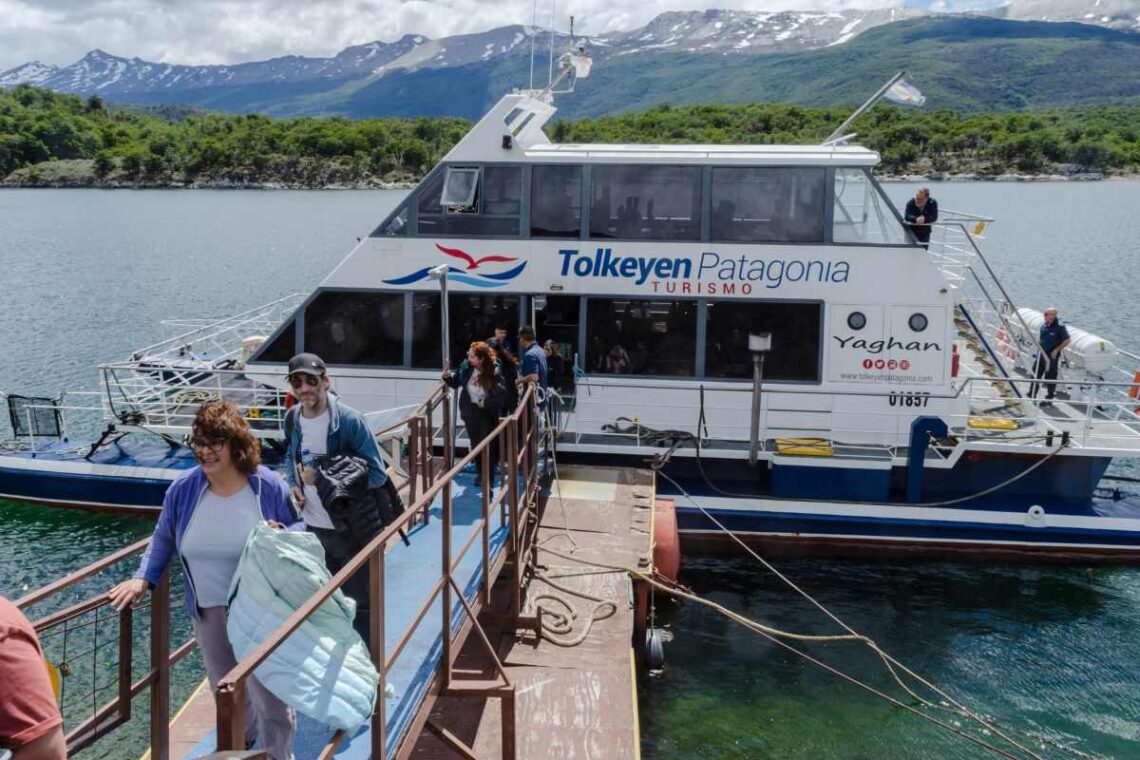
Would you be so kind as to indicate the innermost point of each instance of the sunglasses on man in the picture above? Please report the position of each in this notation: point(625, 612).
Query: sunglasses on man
point(299, 380)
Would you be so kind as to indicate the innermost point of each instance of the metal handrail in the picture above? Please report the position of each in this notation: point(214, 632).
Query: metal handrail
point(157, 678)
point(230, 692)
point(993, 276)
point(236, 320)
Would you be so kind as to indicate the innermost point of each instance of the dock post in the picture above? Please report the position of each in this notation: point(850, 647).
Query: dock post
point(376, 646)
point(507, 706)
point(160, 666)
point(445, 592)
point(485, 500)
point(513, 472)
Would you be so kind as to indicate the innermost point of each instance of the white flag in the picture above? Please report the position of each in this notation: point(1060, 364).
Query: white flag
point(904, 93)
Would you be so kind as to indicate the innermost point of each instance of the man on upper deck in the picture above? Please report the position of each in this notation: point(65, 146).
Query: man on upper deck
point(1053, 339)
point(921, 212)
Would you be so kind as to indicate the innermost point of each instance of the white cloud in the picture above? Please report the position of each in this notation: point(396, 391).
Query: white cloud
point(232, 31)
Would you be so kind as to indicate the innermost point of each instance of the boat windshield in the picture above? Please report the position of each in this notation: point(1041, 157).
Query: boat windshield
point(862, 213)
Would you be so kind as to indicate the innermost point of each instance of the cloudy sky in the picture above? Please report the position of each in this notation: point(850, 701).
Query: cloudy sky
point(231, 31)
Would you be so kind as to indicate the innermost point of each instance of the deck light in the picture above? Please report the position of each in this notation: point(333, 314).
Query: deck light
point(760, 343)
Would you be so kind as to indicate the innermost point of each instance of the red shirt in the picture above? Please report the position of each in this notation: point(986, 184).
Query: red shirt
point(27, 703)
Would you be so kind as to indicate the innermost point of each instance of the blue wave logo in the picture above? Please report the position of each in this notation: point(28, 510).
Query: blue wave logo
point(467, 275)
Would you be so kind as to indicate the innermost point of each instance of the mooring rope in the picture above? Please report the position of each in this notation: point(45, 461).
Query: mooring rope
point(888, 660)
point(776, 635)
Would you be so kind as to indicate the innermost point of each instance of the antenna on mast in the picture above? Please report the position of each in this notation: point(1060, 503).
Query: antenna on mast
point(533, 32)
point(550, 73)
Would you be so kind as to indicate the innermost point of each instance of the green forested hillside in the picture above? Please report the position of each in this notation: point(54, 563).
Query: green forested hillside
point(38, 126)
point(46, 138)
point(909, 140)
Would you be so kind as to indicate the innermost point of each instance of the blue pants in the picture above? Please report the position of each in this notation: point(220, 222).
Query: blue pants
point(1047, 370)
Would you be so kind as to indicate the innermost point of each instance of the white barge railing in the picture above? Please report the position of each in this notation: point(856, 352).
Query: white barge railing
point(1099, 417)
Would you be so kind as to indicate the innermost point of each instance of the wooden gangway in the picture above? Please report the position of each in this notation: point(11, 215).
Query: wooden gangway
point(466, 544)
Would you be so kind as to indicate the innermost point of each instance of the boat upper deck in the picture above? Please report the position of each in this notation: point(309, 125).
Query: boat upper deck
point(761, 155)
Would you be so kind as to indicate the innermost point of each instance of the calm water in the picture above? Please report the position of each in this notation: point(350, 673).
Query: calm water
point(87, 275)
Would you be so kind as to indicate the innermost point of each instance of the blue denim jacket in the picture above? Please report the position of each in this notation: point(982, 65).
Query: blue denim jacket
point(178, 507)
point(348, 434)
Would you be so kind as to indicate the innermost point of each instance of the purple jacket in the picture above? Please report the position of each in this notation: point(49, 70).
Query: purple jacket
point(178, 507)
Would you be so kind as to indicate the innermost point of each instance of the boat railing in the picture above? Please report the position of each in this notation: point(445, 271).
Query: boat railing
point(74, 645)
point(165, 399)
point(208, 342)
point(34, 420)
point(987, 410)
point(983, 302)
point(1005, 339)
point(517, 438)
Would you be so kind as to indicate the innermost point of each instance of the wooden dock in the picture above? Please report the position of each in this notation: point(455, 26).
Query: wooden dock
point(578, 701)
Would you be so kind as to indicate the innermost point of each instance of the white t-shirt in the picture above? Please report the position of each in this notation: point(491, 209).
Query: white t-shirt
point(214, 541)
point(475, 391)
point(315, 438)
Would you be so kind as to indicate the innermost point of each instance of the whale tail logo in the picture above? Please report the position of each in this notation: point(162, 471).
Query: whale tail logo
point(467, 274)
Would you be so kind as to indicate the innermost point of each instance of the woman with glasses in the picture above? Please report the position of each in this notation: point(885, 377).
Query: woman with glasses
point(482, 394)
point(207, 515)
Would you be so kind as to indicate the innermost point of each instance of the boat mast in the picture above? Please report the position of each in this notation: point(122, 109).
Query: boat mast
point(838, 133)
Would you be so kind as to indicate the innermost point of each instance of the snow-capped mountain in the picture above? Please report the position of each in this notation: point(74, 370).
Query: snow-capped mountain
point(1115, 14)
point(729, 32)
point(461, 74)
point(33, 72)
point(749, 32)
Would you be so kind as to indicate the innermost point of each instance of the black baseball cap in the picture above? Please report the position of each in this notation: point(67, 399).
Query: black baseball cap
point(310, 364)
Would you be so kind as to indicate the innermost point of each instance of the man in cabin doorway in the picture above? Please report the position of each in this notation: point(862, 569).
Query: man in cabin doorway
point(1053, 339)
point(501, 337)
point(921, 212)
point(319, 427)
point(534, 369)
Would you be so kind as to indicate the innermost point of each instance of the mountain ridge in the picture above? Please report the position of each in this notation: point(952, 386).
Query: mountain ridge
point(465, 73)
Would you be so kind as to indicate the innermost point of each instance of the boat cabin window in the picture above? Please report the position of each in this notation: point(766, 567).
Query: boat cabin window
point(796, 336)
point(556, 201)
point(862, 213)
point(646, 202)
point(472, 201)
point(767, 204)
point(641, 337)
point(459, 187)
point(356, 328)
point(281, 348)
point(471, 317)
point(398, 224)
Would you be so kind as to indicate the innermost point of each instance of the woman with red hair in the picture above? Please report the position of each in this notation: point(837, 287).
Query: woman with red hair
point(482, 393)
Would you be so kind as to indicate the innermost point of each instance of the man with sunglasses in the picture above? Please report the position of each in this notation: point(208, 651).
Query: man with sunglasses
point(325, 427)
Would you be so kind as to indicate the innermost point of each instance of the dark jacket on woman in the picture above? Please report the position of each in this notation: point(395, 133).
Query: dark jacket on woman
point(494, 402)
point(480, 420)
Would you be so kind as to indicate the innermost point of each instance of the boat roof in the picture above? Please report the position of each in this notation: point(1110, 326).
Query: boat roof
point(512, 131)
point(800, 155)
